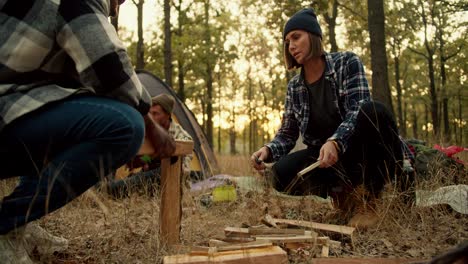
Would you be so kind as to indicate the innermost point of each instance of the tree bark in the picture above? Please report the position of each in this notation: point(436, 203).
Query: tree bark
point(415, 123)
point(401, 121)
point(140, 49)
point(167, 43)
point(331, 21)
point(376, 21)
point(209, 76)
point(180, 58)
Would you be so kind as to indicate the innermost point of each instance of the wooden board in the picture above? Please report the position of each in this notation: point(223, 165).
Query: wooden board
point(266, 255)
point(282, 239)
point(271, 231)
point(345, 230)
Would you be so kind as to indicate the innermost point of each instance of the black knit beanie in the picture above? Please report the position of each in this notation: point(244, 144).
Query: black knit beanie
point(305, 19)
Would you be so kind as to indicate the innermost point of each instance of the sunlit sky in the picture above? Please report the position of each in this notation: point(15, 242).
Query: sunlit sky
point(152, 12)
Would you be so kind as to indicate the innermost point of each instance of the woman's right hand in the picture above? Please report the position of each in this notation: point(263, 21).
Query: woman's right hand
point(257, 159)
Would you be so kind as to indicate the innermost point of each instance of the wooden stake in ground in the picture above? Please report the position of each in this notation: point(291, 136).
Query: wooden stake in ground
point(171, 191)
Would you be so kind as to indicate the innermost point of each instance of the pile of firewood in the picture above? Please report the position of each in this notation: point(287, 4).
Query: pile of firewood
point(264, 243)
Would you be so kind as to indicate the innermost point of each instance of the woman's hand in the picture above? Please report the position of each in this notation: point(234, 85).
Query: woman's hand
point(257, 159)
point(328, 154)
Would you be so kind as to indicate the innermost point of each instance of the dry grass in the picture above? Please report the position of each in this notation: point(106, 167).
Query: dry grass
point(128, 232)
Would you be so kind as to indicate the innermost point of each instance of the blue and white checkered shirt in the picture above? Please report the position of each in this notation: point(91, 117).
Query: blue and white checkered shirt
point(345, 72)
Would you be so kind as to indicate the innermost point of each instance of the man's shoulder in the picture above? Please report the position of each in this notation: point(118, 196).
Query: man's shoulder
point(178, 132)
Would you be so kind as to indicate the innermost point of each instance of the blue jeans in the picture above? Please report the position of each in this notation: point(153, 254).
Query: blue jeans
point(61, 150)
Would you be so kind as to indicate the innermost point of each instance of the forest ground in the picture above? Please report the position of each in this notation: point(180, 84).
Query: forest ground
point(128, 231)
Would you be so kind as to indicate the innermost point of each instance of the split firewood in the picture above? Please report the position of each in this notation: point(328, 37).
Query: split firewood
point(309, 236)
point(236, 232)
point(268, 219)
point(345, 230)
point(325, 251)
point(270, 255)
point(299, 176)
point(272, 231)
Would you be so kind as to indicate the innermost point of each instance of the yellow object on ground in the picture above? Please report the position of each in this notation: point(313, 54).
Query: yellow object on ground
point(226, 193)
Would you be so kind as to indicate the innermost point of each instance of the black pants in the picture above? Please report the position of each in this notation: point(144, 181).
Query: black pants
point(373, 153)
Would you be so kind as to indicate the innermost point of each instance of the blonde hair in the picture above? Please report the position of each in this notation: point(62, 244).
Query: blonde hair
point(316, 50)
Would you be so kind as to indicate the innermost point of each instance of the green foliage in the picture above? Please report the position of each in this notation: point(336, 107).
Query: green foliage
point(239, 49)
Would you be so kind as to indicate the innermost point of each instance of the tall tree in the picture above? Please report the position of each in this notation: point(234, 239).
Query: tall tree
point(376, 23)
point(140, 50)
point(167, 43)
point(209, 73)
point(422, 11)
point(329, 10)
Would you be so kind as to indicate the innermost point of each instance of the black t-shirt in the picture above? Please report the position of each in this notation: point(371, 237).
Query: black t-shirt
point(324, 113)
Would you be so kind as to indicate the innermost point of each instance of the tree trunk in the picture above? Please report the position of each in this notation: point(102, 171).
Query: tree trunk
point(426, 118)
point(140, 50)
point(167, 43)
point(404, 132)
point(446, 120)
point(232, 133)
point(251, 113)
point(218, 95)
point(376, 21)
point(401, 124)
point(180, 59)
point(460, 115)
point(331, 21)
point(415, 123)
point(209, 77)
point(433, 94)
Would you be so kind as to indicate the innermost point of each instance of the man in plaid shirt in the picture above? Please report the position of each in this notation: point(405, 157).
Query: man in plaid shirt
point(71, 108)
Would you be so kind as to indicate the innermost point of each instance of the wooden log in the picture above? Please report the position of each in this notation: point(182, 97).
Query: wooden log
point(345, 230)
point(264, 255)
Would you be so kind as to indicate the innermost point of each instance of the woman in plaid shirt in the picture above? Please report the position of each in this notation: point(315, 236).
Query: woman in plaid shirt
point(329, 104)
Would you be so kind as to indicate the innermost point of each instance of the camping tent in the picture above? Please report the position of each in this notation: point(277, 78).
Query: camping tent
point(204, 163)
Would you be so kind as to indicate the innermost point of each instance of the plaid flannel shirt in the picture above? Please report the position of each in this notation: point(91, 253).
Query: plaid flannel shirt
point(52, 49)
point(177, 132)
point(345, 72)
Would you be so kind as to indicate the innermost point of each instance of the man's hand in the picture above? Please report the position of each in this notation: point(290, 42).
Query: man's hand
point(162, 142)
